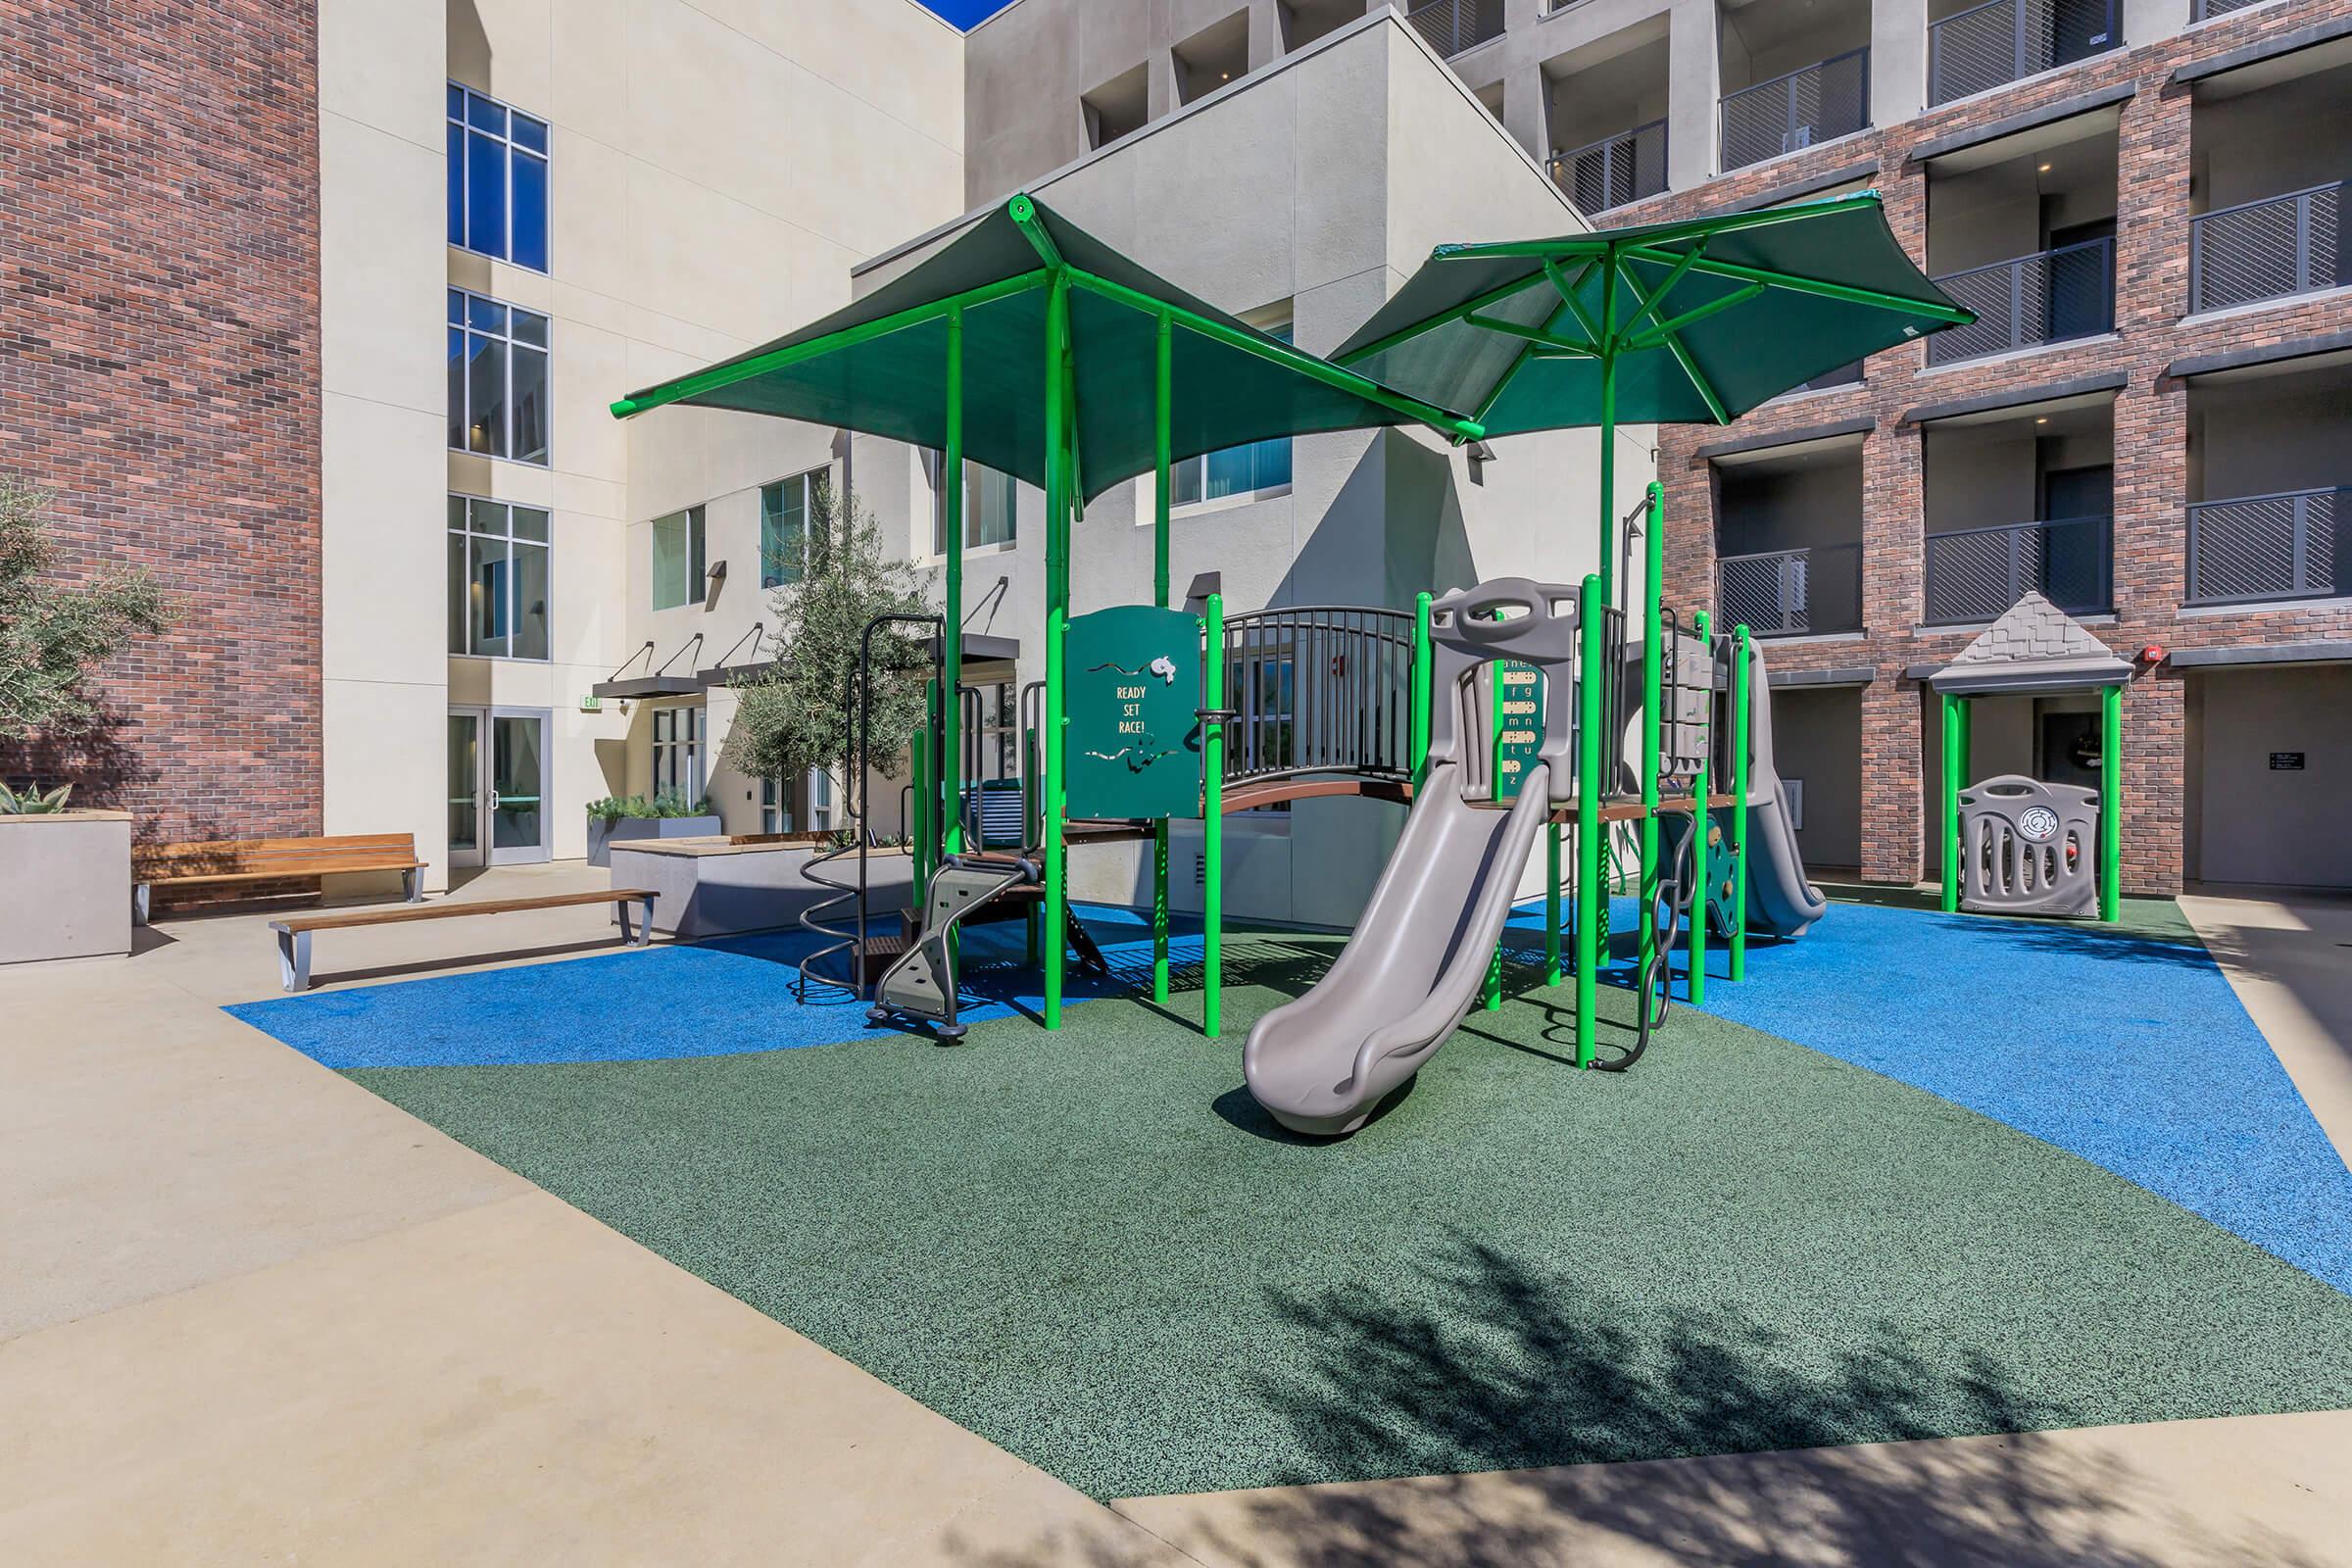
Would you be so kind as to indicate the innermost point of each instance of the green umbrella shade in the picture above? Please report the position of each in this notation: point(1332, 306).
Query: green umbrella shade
point(1700, 320)
point(879, 366)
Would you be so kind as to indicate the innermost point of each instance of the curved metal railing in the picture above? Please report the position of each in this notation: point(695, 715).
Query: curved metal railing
point(1319, 689)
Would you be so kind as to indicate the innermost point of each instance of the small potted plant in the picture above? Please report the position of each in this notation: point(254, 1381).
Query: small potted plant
point(613, 822)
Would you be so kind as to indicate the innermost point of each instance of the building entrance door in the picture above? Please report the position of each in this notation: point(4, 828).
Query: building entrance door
point(498, 786)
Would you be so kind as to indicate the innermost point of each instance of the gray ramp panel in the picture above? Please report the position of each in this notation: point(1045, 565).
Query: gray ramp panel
point(1414, 967)
point(1780, 901)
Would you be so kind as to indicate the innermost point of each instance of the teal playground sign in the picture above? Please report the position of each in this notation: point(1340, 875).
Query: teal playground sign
point(1134, 733)
point(1518, 724)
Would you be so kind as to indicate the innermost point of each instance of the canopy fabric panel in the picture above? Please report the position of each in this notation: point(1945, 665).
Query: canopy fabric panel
point(1704, 319)
point(879, 366)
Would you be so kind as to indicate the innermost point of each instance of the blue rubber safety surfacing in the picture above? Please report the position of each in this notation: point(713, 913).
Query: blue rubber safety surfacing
point(717, 998)
point(2132, 1054)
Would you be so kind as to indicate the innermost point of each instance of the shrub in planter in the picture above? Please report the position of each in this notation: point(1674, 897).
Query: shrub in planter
point(632, 816)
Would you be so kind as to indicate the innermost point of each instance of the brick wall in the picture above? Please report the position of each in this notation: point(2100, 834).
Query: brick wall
point(158, 371)
point(2151, 439)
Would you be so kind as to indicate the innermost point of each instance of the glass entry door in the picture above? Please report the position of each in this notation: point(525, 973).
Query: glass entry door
point(498, 786)
point(466, 786)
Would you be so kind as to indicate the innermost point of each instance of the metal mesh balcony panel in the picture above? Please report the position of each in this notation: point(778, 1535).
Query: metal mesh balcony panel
point(1817, 104)
point(2265, 546)
point(1453, 26)
point(1615, 169)
point(2043, 298)
point(1791, 592)
point(2207, 9)
point(2266, 250)
point(1976, 574)
point(1978, 49)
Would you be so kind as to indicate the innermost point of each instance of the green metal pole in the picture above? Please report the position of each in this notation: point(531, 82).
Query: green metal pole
point(1743, 700)
point(1033, 822)
point(1057, 614)
point(1608, 428)
point(1653, 678)
point(951, 663)
point(1163, 387)
point(2111, 803)
point(1213, 822)
point(1424, 670)
point(1948, 819)
point(1701, 823)
point(1589, 677)
point(1551, 904)
point(918, 830)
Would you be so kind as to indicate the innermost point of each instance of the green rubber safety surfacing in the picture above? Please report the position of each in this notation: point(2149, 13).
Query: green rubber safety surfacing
point(1092, 1250)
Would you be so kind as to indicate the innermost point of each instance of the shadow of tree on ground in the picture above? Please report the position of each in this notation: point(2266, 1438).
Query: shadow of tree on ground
point(1493, 1364)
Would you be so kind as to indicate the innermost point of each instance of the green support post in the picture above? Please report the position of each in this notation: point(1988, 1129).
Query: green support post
point(1948, 821)
point(1162, 442)
point(1653, 678)
point(918, 830)
point(1606, 343)
point(2111, 804)
point(1058, 613)
point(951, 654)
point(1424, 666)
point(1589, 894)
point(1701, 822)
point(1212, 821)
point(1551, 904)
point(1742, 698)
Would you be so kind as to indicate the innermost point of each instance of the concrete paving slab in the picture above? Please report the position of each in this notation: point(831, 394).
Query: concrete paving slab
point(512, 1383)
point(2245, 1491)
point(2289, 960)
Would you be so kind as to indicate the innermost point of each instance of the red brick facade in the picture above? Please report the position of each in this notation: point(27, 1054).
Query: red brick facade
point(2151, 442)
point(159, 372)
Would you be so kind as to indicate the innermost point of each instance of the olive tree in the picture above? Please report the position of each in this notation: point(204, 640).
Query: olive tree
point(53, 633)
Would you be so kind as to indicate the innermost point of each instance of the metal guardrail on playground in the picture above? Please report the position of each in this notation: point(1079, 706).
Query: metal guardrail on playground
point(1319, 688)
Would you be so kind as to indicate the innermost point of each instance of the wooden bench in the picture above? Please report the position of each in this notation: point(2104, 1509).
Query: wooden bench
point(226, 862)
point(294, 932)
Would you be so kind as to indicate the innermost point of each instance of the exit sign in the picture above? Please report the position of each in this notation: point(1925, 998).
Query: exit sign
point(592, 703)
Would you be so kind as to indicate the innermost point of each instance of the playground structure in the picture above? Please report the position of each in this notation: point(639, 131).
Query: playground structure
point(1135, 724)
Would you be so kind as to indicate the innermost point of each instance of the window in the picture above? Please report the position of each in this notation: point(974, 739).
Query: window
point(497, 379)
point(786, 509)
point(820, 800)
point(497, 179)
point(775, 803)
point(991, 509)
point(775, 806)
point(496, 579)
point(679, 559)
point(1256, 468)
point(679, 753)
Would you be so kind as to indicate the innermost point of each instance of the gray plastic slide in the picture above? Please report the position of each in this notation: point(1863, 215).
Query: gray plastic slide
point(1418, 958)
point(1780, 901)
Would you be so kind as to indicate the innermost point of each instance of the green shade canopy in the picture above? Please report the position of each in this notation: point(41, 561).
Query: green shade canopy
point(879, 366)
point(1696, 321)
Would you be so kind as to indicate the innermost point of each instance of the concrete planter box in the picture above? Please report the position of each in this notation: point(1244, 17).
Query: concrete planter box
point(711, 887)
point(604, 834)
point(67, 882)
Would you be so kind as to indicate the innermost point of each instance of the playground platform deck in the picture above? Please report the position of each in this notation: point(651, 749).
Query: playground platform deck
point(1577, 1304)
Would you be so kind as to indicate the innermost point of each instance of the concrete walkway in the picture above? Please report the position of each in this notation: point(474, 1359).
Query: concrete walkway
point(248, 1311)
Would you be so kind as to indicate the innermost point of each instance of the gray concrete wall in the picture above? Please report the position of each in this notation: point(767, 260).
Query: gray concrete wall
point(2290, 135)
point(1817, 737)
point(2259, 438)
point(2252, 823)
point(1980, 475)
point(1820, 504)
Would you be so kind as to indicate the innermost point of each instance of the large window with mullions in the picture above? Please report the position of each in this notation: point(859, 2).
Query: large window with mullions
point(497, 378)
point(497, 179)
point(496, 579)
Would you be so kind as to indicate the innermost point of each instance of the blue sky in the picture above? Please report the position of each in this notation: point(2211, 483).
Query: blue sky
point(963, 13)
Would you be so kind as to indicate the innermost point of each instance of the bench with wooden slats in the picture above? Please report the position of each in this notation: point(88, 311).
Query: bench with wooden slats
point(226, 861)
point(294, 932)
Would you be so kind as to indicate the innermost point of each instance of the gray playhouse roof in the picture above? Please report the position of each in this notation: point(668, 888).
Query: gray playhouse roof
point(2034, 647)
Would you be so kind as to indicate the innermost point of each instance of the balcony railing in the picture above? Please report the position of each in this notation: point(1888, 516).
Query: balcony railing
point(2284, 545)
point(2047, 297)
point(1453, 26)
point(1817, 104)
point(1978, 49)
point(1791, 593)
point(1615, 169)
point(2206, 10)
point(2267, 250)
point(1976, 574)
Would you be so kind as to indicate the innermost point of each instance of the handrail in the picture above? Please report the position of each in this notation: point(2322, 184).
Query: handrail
point(2021, 259)
point(2030, 522)
point(1789, 76)
point(2265, 201)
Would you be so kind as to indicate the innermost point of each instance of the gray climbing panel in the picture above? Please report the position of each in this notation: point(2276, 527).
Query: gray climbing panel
point(922, 982)
point(2028, 848)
